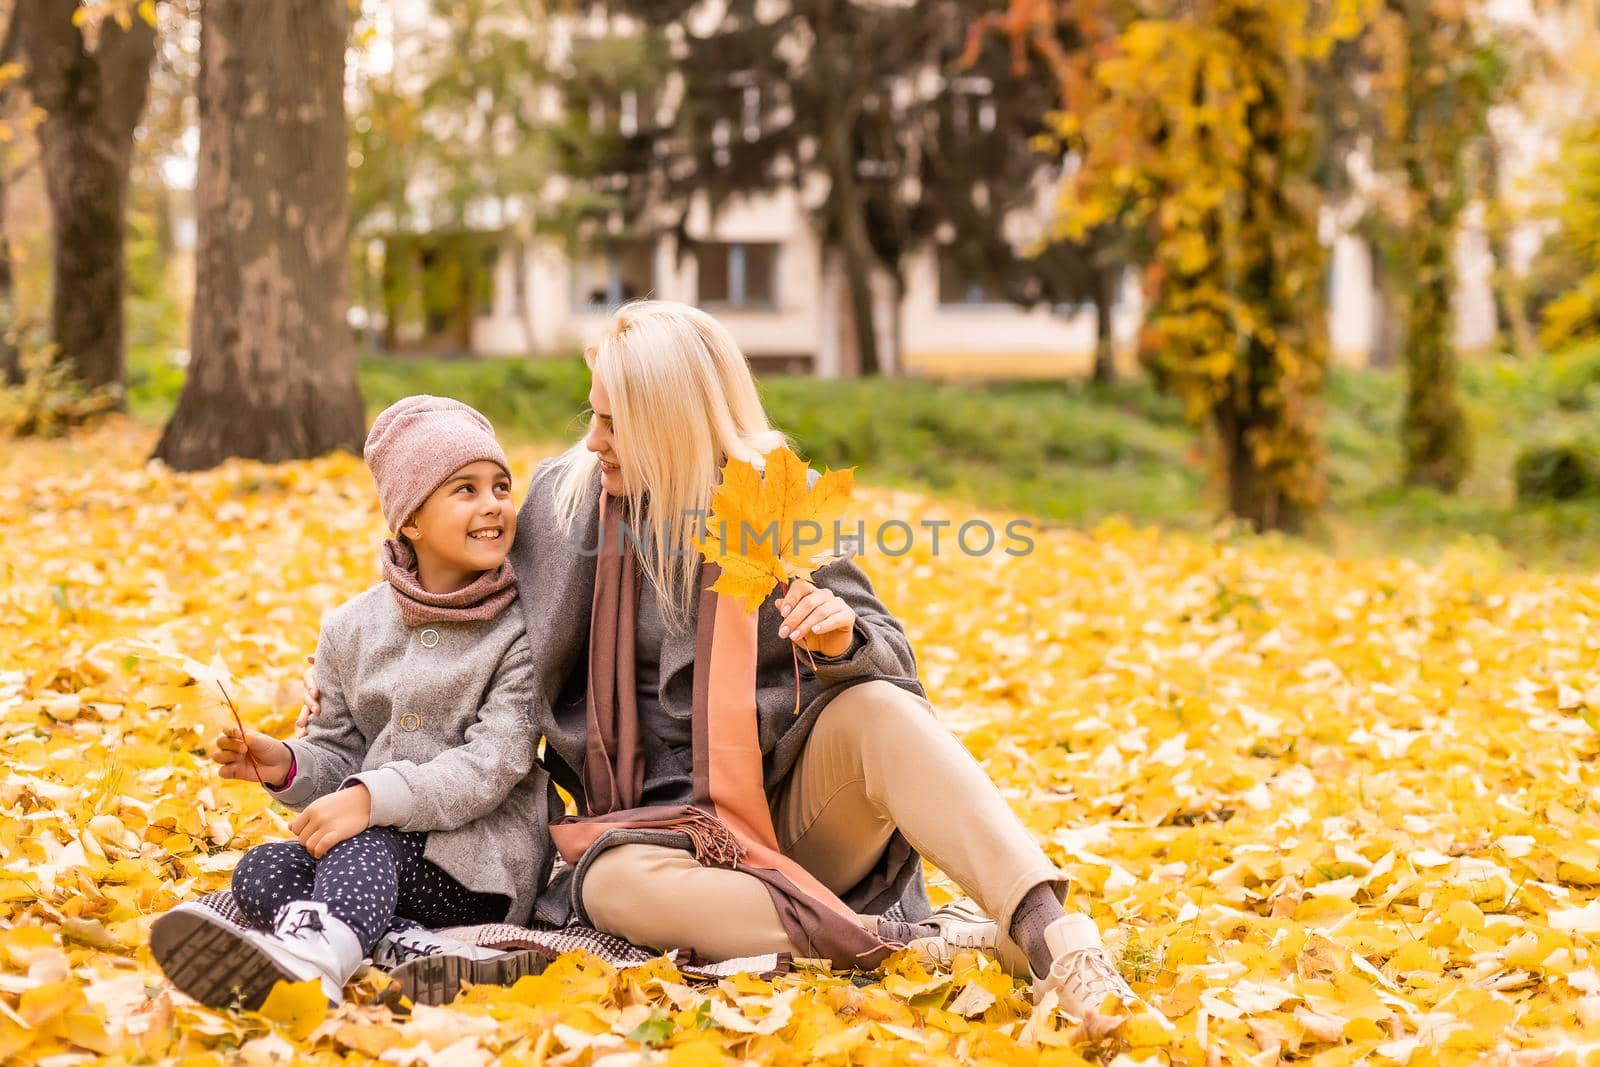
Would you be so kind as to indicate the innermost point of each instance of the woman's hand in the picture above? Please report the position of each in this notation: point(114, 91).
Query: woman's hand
point(234, 752)
point(313, 702)
point(817, 619)
point(334, 818)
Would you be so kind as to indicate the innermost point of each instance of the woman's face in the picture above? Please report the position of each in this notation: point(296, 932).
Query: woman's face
point(600, 442)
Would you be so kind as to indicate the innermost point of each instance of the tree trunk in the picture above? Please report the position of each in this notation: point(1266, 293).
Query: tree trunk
point(1510, 306)
point(855, 245)
point(273, 374)
point(1434, 426)
point(10, 361)
point(390, 281)
point(857, 254)
point(1256, 491)
point(1105, 348)
point(92, 101)
point(1387, 331)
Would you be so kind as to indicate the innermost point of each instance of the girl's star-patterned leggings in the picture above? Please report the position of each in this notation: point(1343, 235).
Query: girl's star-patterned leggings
point(365, 881)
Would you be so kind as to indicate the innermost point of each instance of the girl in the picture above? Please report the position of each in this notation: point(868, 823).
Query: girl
point(416, 786)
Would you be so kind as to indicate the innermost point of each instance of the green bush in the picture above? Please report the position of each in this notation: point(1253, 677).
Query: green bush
point(1558, 471)
point(1575, 375)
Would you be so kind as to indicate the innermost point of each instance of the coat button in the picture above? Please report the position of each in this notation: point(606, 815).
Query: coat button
point(410, 722)
point(430, 637)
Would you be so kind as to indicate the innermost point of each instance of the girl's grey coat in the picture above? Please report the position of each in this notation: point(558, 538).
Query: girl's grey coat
point(557, 583)
point(433, 719)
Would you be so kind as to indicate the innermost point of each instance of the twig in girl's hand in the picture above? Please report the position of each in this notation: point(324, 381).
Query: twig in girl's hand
point(240, 724)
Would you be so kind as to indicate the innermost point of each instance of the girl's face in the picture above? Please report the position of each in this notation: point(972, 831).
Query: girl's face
point(600, 440)
point(466, 524)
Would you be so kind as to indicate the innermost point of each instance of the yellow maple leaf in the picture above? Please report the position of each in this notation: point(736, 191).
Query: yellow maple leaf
point(765, 530)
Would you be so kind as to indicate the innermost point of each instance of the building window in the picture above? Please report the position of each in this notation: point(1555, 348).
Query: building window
point(972, 107)
point(620, 111)
point(750, 112)
point(960, 285)
point(737, 275)
point(628, 114)
point(616, 275)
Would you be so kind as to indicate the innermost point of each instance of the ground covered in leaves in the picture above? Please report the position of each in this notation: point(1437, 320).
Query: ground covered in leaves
point(1341, 810)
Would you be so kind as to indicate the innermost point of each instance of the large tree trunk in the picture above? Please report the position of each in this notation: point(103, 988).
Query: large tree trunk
point(1105, 349)
point(92, 101)
point(273, 374)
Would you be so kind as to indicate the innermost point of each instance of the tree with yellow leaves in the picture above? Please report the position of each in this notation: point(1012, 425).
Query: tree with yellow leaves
point(1435, 77)
point(1201, 128)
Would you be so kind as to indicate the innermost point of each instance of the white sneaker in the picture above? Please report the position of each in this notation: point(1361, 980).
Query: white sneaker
point(220, 963)
point(432, 968)
point(1086, 984)
point(306, 938)
point(962, 926)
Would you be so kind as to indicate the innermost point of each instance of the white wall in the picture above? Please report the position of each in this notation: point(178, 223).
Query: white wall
point(935, 339)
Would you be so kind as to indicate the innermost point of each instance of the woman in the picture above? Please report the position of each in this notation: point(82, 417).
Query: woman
point(712, 816)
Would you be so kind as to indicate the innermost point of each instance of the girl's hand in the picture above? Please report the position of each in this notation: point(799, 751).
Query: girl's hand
point(233, 752)
point(313, 703)
point(817, 619)
point(334, 818)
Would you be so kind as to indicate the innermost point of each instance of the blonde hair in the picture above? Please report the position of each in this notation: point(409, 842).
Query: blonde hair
point(682, 402)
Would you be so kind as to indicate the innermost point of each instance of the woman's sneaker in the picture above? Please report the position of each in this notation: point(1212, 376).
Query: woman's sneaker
point(220, 963)
point(1084, 981)
point(958, 926)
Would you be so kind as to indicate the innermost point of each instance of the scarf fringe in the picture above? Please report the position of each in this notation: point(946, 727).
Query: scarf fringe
point(715, 845)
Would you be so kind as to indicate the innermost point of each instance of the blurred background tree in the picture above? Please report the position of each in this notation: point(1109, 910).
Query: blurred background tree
point(87, 68)
point(1197, 127)
point(1435, 78)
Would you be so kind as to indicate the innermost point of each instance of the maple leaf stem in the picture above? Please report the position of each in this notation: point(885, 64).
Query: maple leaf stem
point(240, 724)
point(783, 587)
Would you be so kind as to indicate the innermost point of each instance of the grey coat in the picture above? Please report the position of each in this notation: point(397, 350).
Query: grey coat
point(433, 719)
point(557, 583)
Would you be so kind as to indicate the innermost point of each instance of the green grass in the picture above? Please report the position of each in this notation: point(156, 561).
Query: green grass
point(1075, 453)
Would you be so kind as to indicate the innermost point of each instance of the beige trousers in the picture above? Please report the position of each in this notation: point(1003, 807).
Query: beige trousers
point(877, 759)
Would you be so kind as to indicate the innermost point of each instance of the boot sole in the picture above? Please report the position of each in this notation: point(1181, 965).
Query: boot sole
point(205, 957)
point(438, 979)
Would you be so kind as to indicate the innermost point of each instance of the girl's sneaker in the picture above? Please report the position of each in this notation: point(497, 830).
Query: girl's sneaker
point(223, 965)
point(217, 962)
point(306, 936)
point(432, 967)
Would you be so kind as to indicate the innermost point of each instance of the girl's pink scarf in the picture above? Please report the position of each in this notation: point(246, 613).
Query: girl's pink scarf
point(481, 601)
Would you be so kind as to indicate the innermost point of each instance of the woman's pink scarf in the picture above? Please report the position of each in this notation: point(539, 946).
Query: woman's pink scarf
point(728, 822)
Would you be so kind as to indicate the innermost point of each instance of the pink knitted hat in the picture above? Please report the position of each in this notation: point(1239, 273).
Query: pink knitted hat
point(415, 444)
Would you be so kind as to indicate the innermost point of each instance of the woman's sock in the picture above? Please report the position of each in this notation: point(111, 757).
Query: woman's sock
point(1038, 909)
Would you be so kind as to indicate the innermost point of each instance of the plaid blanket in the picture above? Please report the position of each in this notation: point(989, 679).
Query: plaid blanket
point(551, 942)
